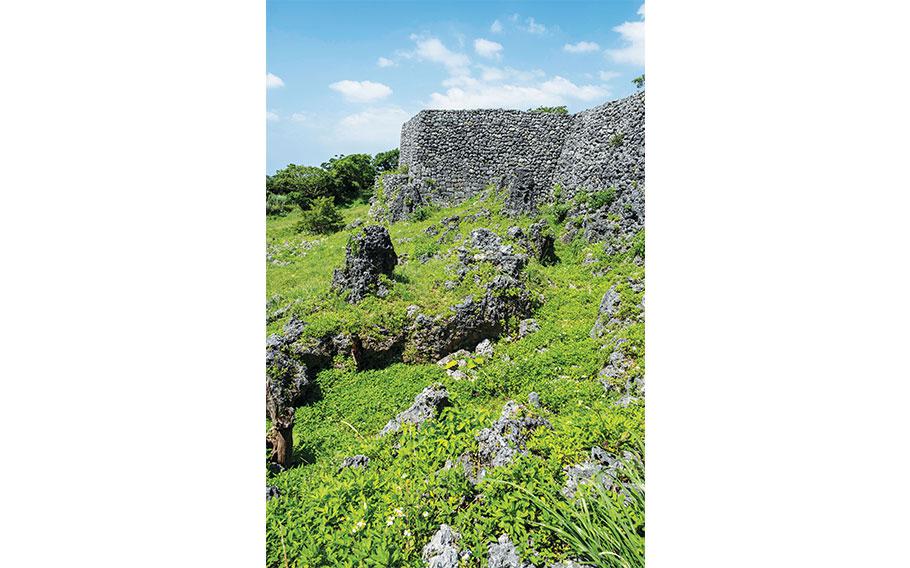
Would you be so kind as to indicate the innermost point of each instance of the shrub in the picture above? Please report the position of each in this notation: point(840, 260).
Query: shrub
point(551, 110)
point(639, 81)
point(616, 140)
point(277, 204)
point(603, 198)
point(385, 161)
point(421, 214)
point(322, 218)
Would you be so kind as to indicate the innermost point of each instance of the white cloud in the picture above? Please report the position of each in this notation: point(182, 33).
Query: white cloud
point(492, 74)
point(385, 62)
point(534, 28)
point(431, 49)
point(271, 116)
point(273, 81)
point(373, 126)
point(581, 47)
point(608, 75)
point(487, 48)
point(301, 117)
point(361, 91)
point(554, 92)
point(496, 27)
point(633, 34)
point(563, 87)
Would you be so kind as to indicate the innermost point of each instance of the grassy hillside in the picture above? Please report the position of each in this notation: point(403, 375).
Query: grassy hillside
point(384, 514)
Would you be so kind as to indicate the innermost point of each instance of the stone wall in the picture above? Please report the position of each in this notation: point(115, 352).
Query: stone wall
point(605, 147)
point(464, 150)
point(453, 155)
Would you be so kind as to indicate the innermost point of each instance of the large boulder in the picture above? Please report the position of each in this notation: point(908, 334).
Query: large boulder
point(369, 255)
point(426, 405)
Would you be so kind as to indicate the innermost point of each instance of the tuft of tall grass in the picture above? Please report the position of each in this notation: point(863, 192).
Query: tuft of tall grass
point(602, 527)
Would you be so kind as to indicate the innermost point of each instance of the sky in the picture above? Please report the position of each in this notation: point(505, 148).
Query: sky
point(343, 76)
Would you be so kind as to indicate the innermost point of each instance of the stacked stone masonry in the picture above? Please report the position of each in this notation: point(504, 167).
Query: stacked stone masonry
point(454, 155)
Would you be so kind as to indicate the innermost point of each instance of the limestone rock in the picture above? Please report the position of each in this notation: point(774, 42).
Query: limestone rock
point(527, 327)
point(442, 550)
point(426, 405)
point(369, 254)
point(502, 441)
point(525, 196)
point(356, 462)
point(606, 315)
point(502, 554)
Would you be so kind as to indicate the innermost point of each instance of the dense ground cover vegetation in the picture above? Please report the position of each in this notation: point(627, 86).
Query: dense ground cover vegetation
point(385, 513)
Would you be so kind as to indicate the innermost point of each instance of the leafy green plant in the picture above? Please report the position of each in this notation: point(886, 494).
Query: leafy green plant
point(603, 198)
point(421, 214)
point(639, 81)
point(321, 218)
point(616, 140)
point(551, 110)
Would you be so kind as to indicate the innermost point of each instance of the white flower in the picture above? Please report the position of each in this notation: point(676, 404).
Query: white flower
point(358, 525)
point(407, 532)
point(426, 514)
point(389, 521)
point(399, 512)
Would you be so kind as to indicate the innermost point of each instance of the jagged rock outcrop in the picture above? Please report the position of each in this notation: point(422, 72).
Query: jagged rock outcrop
point(471, 321)
point(398, 197)
point(541, 243)
point(271, 492)
point(442, 550)
point(426, 405)
point(502, 441)
point(505, 298)
point(286, 380)
point(369, 254)
point(524, 195)
point(502, 554)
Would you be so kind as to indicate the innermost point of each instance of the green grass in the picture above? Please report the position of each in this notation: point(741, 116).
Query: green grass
point(383, 515)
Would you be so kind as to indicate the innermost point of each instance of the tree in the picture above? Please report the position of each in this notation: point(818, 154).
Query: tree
point(385, 161)
point(301, 184)
point(350, 175)
point(321, 217)
point(639, 81)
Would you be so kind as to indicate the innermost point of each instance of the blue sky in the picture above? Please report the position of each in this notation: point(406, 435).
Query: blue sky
point(343, 76)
